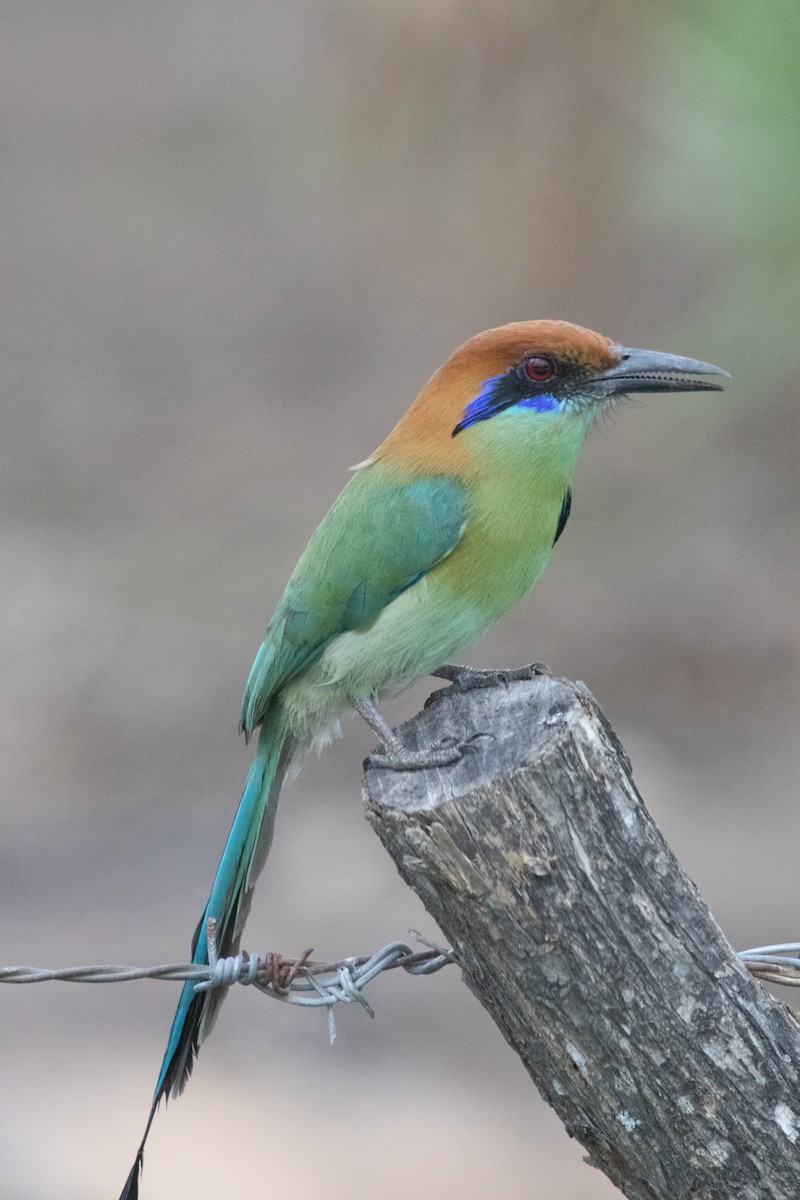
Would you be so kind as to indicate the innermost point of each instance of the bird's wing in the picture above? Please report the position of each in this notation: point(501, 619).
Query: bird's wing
point(381, 535)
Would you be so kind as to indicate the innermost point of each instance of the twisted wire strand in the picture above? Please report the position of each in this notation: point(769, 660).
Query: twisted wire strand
point(292, 980)
point(313, 984)
point(774, 964)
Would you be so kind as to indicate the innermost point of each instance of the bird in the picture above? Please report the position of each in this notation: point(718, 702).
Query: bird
point(446, 526)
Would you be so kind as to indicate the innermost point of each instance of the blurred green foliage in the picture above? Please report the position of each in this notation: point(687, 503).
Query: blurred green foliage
point(723, 115)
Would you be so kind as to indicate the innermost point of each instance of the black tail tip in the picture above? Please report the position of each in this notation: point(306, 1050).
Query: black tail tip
point(131, 1189)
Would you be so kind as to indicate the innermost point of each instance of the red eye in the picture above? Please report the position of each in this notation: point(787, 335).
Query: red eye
point(539, 368)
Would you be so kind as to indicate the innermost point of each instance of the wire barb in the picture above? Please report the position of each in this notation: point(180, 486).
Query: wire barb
point(292, 980)
point(313, 984)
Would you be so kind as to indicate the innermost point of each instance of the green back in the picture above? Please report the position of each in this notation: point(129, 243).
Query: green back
point(382, 534)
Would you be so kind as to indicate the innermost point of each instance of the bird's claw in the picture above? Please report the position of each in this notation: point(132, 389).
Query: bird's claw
point(444, 754)
point(467, 679)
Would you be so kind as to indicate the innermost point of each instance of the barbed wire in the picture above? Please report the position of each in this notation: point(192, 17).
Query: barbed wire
point(302, 980)
point(314, 984)
point(774, 964)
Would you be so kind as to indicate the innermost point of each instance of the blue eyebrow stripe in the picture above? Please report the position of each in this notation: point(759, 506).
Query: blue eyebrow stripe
point(496, 396)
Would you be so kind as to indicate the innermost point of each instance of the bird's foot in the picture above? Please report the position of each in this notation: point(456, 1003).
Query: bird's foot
point(466, 679)
point(397, 757)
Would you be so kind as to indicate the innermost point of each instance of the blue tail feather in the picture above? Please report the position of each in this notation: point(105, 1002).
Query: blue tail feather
point(242, 859)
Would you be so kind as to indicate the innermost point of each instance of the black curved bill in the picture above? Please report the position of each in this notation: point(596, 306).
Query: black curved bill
point(651, 371)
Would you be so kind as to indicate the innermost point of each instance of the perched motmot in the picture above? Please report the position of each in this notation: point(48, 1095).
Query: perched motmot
point(438, 533)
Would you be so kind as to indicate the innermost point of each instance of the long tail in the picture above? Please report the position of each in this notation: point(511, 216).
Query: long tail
point(242, 860)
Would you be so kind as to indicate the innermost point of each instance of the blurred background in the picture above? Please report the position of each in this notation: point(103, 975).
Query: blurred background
point(236, 240)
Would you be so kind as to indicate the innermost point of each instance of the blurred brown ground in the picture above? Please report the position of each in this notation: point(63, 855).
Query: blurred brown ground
point(237, 239)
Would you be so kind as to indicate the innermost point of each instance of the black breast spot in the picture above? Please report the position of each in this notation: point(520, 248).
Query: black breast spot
point(563, 516)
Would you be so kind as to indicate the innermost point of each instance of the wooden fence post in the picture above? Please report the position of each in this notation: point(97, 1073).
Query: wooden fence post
point(586, 942)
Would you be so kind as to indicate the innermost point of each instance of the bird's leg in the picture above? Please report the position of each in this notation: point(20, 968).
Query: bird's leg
point(465, 679)
point(398, 757)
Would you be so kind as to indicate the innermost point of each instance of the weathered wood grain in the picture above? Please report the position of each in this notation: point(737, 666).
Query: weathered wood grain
point(586, 942)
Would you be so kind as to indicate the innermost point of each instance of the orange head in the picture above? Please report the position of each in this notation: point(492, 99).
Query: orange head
point(544, 366)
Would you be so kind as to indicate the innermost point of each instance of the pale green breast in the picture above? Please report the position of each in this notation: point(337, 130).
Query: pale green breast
point(526, 461)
